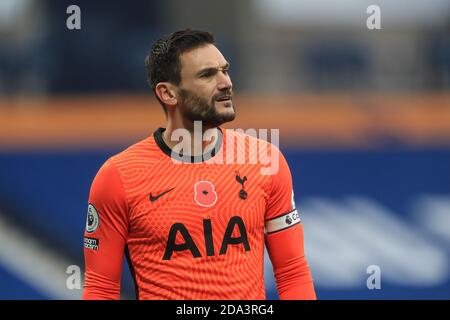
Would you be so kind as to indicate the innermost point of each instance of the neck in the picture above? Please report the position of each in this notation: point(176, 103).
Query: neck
point(200, 142)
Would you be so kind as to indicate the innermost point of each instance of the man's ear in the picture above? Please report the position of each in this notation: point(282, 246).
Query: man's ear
point(166, 93)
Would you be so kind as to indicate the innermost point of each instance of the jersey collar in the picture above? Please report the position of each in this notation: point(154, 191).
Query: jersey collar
point(189, 159)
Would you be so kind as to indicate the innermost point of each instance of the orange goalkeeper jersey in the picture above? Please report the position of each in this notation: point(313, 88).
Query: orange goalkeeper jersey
point(195, 227)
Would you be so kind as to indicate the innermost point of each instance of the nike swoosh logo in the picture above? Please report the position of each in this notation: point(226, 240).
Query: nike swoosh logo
point(154, 198)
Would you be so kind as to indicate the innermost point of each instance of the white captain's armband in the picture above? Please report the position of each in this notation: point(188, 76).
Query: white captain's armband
point(282, 222)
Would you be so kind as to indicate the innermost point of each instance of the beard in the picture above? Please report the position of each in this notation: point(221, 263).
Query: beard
point(196, 108)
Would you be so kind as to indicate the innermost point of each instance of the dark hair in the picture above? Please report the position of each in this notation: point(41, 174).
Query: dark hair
point(163, 62)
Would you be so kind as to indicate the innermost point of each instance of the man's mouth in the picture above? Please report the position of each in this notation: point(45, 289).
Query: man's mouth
point(223, 98)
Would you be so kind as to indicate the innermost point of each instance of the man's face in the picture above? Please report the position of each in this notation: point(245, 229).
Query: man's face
point(206, 88)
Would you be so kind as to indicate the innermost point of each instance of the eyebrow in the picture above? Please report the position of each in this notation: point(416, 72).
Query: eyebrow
point(226, 66)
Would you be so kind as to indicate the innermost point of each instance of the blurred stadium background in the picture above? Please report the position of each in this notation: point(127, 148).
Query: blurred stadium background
point(364, 118)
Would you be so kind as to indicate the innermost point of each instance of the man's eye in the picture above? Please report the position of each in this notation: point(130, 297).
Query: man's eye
point(207, 75)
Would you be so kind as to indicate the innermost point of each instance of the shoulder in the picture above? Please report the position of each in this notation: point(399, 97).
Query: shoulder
point(254, 137)
point(144, 152)
point(126, 163)
point(256, 146)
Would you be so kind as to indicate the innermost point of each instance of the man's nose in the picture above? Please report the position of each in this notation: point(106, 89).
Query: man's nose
point(224, 81)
